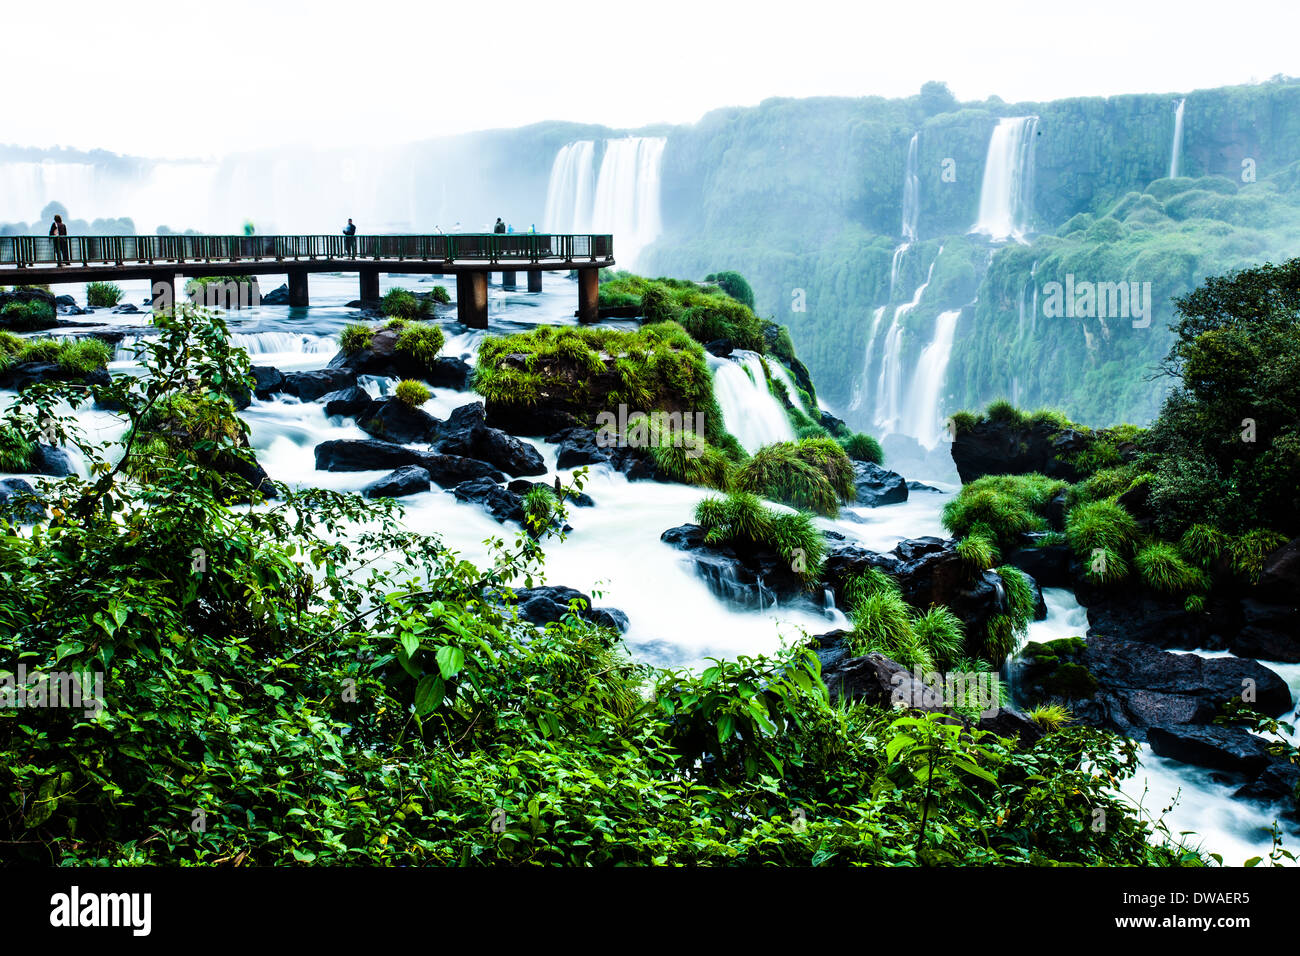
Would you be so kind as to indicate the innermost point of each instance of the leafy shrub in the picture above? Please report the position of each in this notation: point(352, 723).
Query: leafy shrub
point(411, 393)
point(882, 624)
point(1100, 525)
point(734, 284)
point(84, 355)
point(862, 447)
point(103, 295)
point(15, 451)
point(1250, 551)
point(1050, 717)
point(977, 553)
point(942, 632)
point(813, 474)
point(420, 341)
point(355, 338)
point(440, 295)
point(1164, 569)
point(28, 316)
point(403, 304)
point(1002, 507)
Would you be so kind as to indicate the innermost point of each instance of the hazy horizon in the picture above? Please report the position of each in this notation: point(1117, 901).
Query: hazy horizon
point(621, 66)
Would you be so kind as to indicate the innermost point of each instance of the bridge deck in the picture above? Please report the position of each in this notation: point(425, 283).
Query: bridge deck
point(163, 259)
point(77, 258)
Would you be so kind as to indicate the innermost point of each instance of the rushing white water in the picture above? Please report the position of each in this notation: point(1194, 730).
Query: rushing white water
point(858, 400)
point(911, 192)
point(1006, 192)
point(1176, 151)
point(922, 417)
point(627, 194)
point(899, 251)
point(571, 189)
point(749, 410)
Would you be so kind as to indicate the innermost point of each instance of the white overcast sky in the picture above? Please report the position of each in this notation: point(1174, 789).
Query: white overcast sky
point(177, 78)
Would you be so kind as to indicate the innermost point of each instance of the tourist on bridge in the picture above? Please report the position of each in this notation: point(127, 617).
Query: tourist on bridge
point(59, 230)
point(500, 226)
point(350, 230)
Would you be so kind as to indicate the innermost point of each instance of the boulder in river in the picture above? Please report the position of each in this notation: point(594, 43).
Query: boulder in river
point(550, 603)
point(407, 480)
point(877, 486)
point(466, 433)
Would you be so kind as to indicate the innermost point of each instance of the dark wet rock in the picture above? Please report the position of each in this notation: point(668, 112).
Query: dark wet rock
point(878, 681)
point(48, 460)
point(530, 421)
point(500, 503)
point(743, 575)
point(1269, 632)
point(1216, 747)
point(22, 496)
point(550, 603)
point(407, 480)
point(448, 372)
point(1137, 612)
point(1279, 781)
point(21, 375)
point(368, 454)
point(877, 486)
point(310, 386)
point(720, 347)
point(929, 572)
point(465, 433)
point(393, 420)
point(578, 447)
point(922, 486)
point(125, 308)
point(347, 402)
point(266, 381)
point(1048, 565)
point(1140, 686)
point(1001, 448)
point(279, 296)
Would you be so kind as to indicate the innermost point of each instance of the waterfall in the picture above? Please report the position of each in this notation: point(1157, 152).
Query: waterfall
point(571, 189)
point(911, 193)
point(923, 420)
point(1006, 193)
point(889, 387)
point(860, 386)
point(1176, 153)
point(627, 195)
point(894, 265)
point(749, 410)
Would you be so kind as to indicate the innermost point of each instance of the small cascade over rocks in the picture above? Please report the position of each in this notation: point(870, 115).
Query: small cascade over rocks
point(749, 410)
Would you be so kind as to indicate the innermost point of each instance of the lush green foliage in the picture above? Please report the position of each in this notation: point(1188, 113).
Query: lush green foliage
point(705, 312)
point(813, 474)
point(404, 304)
point(73, 355)
point(421, 341)
point(27, 316)
point(355, 337)
point(1000, 508)
point(103, 295)
point(862, 447)
point(411, 393)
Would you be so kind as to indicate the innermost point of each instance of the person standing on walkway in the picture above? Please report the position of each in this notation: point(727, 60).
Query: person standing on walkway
point(500, 227)
point(350, 231)
point(59, 230)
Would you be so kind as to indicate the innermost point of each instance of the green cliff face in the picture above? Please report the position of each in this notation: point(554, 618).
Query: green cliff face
point(804, 197)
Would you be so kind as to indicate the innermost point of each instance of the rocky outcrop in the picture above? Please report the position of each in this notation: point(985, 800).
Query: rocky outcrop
point(551, 603)
point(877, 486)
point(1004, 448)
point(929, 571)
point(744, 576)
point(364, 454)
point(466, 433)
point(21, 496)
point(1131, 686)
point(1271, 611)
point(381, 358)
point(348, 402)
point(391, 419)
point(52, 461)
point(1216, 747)
point(499, 502)
point(878, 681)
point(21, 375)
point(309, 386)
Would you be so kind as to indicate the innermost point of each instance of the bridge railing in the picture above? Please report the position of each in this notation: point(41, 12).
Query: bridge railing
point(22, 251)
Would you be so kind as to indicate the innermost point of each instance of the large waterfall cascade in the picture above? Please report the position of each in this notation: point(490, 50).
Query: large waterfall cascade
point(1176, 151)
point(1006, 192)
point(622, 198)
point(889, 386)
point(922, 418)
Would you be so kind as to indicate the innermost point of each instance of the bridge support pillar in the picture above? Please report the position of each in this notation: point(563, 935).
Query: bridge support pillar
point(535, 280)
point(298, 288)
point(162, 291)
point(588, 294)
point(369, 285)
point(508, 280)
point(472, 299)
